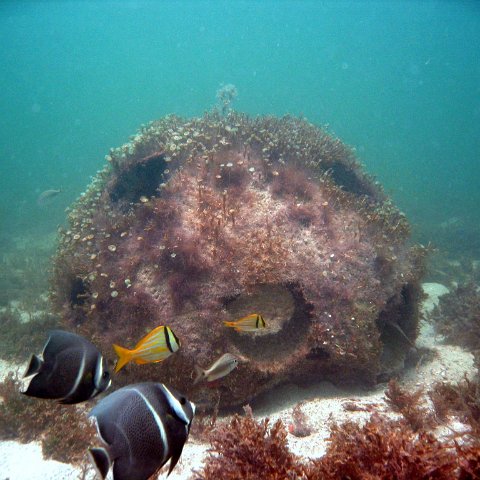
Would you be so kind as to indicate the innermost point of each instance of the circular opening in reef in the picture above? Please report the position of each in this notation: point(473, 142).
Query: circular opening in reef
point(286, 317)
point(139, 179)
point(274, 302)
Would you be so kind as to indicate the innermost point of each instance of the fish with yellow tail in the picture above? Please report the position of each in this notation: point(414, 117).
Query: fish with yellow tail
point(156, 346)
point(250, 323)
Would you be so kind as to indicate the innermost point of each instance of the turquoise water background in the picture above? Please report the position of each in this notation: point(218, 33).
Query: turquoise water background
point(397, 80)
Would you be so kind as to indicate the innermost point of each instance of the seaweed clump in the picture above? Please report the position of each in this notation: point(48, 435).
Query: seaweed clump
point(461, 400)
point(457, 316)
point(245, 449)
point(408, 405)
point(18, 338)
point(381, 449)
point(64, 431)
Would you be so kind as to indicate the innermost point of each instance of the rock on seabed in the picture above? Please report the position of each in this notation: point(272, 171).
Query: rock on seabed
point(218, 217)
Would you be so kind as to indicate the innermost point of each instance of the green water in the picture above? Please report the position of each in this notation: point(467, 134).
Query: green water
point(398, 81)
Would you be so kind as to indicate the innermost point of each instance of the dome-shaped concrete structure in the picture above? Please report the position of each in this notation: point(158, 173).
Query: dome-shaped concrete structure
point(209, 219)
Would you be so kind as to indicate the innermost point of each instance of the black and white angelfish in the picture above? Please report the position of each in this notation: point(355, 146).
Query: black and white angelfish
point(71, 369)
point(142, 426)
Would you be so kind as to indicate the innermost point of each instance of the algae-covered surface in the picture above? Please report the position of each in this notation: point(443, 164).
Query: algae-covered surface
point(241, 215)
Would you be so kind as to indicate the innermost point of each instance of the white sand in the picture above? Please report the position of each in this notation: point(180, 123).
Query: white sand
point(25, 462)
point(433, 291)
point(323, 404)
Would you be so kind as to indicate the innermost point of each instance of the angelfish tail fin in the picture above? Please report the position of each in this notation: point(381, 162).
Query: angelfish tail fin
point(34, 365)
point(124, 356)
point(199, 374)
point(229, 324)
point(100, 459)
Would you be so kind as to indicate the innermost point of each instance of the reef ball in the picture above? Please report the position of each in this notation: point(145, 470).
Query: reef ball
point(198, 221)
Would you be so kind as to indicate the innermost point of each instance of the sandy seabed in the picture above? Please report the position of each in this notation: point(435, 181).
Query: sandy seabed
point(323, 404)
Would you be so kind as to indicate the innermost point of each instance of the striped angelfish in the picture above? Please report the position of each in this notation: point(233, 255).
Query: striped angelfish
point(70, 369)
point(154, 421)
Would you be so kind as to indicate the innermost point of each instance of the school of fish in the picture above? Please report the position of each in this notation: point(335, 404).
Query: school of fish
point(141, 426)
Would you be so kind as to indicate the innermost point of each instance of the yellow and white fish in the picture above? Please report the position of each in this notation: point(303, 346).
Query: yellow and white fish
point(250, 323)
point(156, 346)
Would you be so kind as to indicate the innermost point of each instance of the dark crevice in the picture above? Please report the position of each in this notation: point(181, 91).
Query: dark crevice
point(226, 301)
point(141, 178)
point(350, 181)
point(398, 330)
point(292, 333)
point(78, 292)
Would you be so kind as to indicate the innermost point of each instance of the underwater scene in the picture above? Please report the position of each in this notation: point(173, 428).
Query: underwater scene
point(240, 240)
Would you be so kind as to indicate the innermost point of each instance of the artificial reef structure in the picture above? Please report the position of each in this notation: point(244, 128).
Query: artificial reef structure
point(197, 221)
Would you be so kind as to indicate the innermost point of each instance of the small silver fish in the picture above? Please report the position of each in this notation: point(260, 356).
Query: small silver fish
point(47, 196)
point(223, 366)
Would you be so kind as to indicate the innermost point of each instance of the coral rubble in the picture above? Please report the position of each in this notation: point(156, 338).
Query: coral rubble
point(198, 221)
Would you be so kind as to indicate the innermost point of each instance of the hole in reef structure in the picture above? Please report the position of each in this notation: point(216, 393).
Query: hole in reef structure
point(78, 292)
point(398, 329)
point(350, 181)
point(318, 353)
point(286, 315)
point(138, 179)
point(257, 215)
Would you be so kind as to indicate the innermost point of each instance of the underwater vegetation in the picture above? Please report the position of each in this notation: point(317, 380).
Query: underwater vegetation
point(262, 453)
point(457, 317)
point(19, 337)
point(245, 448)
point(462, 400)
point(63, 430)
point(408, 405)
point(380, 449)
point(134, 441)
point(197, 222)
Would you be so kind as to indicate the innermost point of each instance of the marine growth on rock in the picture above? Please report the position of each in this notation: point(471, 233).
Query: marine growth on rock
point(199, 221)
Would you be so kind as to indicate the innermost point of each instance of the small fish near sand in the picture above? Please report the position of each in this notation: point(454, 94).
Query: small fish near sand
point(250, 323)
point(47, 196)
point(142, 427)
point(156, 346)
point(71, 369)
point(219, 369)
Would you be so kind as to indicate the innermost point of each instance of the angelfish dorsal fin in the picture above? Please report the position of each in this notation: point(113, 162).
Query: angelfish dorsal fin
point(34, 365)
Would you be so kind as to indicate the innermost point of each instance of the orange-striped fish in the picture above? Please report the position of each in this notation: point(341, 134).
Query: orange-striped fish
point(156, 346)
point(250, 323)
